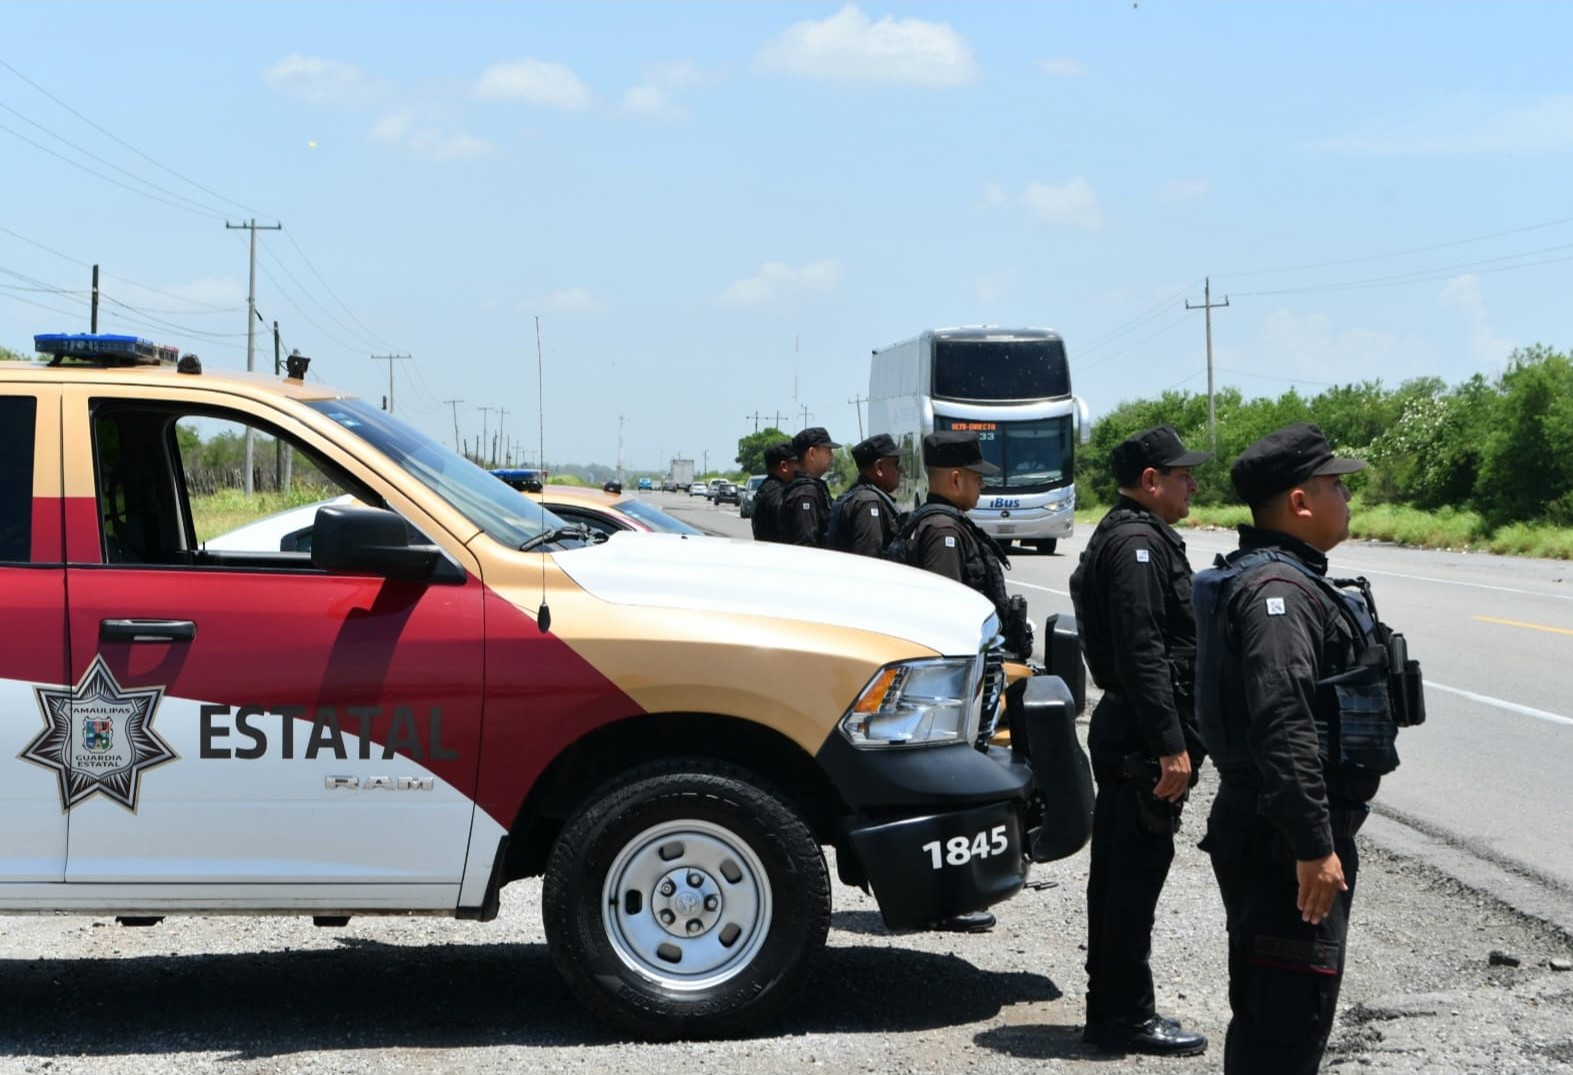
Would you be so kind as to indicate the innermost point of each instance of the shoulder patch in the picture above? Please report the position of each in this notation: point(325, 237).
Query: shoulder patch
point(874, 512)
point(1142, 556)
point(950, 542)
point(807, 506)
point(1275, 606)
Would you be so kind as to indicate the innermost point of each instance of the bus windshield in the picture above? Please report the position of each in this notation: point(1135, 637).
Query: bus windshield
point(999, 370)
point(1033, 456)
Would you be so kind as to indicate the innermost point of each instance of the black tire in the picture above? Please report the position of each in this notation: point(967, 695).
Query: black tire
point(714, 832)
point(1046, 546)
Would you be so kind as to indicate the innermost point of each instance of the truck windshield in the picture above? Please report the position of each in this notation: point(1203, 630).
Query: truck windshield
point(1032, 455)
point(997, 370)
point(486, 501)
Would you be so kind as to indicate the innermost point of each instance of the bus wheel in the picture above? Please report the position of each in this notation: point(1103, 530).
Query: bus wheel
point(1046, 545)
point(686, 899)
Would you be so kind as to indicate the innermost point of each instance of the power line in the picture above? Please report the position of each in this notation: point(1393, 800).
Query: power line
point(330, 290)
point(111, 164)
point(1421, 276)
point(121, 141)
point(107, 178)
point(1402, 253)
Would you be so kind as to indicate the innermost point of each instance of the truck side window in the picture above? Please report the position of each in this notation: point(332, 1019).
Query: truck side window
point(172, 488)
point(17, 419)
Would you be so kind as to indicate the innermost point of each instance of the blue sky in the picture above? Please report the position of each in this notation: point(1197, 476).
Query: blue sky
point(717, 210)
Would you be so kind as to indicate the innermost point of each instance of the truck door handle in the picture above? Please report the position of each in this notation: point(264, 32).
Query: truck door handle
point(146, 630)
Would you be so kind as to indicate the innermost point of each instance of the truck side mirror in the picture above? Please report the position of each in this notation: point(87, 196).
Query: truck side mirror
point(369, 541)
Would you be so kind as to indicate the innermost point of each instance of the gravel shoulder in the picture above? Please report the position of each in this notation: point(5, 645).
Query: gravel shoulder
point(265, 995)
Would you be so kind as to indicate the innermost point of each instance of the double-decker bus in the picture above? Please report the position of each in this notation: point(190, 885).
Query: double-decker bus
point(1013, 388)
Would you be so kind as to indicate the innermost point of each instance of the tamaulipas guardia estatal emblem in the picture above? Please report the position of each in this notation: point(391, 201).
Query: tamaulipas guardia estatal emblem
point(98, 738)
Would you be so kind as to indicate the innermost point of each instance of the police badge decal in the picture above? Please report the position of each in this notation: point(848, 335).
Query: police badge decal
point(98, 738)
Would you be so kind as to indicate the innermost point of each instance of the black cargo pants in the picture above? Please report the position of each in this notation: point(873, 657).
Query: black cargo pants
point(1284, 974)
point(1132, 848)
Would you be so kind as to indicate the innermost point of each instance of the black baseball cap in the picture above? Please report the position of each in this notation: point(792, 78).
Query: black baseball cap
point(812, 437)
point(880, 445)
point(779, 453)
point(954, 448)
point(1285, 458)
point(1159, 446)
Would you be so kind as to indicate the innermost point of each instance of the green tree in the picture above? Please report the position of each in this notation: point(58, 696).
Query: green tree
point(751, 449)
point(1528, 460)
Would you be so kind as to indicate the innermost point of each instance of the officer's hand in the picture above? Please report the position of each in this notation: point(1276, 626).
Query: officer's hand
point(1321, 880)
point(1174, 776)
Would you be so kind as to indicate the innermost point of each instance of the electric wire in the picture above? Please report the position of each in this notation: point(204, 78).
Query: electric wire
point(109, 164)
point(121, 141)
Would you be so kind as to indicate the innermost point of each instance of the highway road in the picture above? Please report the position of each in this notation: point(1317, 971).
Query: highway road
point(1489, 772)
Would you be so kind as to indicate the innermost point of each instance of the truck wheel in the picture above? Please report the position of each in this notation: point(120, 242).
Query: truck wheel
point(686, 899)
point(1046, 545)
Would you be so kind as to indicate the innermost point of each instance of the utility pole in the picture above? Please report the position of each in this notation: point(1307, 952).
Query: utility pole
point(95, 300)
point(805, 415)
point(1209, 305)
point(279, 484)
point(390, 360)
point(794, 370)
point(756, 416)
point(251, 319)
point(501, 414)
point(481, 447)
point(706, 455)
point(619, 449)
point(858, 401)
point(454, 403)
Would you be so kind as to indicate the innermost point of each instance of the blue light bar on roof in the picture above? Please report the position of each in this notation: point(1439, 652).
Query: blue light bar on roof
point(104, 347)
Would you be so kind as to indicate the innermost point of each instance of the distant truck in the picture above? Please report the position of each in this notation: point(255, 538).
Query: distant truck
point(683, 473)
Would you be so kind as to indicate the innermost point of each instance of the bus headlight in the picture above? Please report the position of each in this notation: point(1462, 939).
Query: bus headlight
point(917, 703)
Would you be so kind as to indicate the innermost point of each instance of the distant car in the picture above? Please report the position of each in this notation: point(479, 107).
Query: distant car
point(669, 486)
point(745, 501)
point(646, 484)
point(699, 489)
point(606, 512)
point(726, 493)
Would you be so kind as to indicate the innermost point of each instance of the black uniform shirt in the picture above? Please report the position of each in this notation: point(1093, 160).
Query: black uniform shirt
point(1132, 592)
point(805, 511)
point(767, 509)
point(863, 519)
point(1287, 634)
point(950, 544)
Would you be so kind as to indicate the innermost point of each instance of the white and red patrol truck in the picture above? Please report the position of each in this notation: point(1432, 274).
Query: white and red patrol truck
point(441, 689)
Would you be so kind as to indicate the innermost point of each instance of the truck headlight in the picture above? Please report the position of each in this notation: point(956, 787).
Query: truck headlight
point(917, 703)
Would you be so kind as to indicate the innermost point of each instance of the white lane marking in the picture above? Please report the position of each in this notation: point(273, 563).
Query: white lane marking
point(1513, 707)
point(1045, 589)
point(1454, 582)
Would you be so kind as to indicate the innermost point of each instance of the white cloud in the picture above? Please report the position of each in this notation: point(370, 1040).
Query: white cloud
point(993, 195)
point(994, 287)
point(850, 47)
point(1462, 293)
point(426, 138)
point(1294, 345)
point(681, 75)
point(1466, 126)
point(537, 82)
point(1062, 67)
point(776, 280)
point(322, 81)
point(572, 300)
point(1180, 191)
point(1073, 203)
point(653, 102)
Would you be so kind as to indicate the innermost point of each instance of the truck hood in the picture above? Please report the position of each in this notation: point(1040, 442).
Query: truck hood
point(809, 585)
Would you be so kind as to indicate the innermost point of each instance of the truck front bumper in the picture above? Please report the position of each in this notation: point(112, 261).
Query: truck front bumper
point(943, 831)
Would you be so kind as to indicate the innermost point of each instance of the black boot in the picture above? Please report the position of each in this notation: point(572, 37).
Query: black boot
point(1156, 1037)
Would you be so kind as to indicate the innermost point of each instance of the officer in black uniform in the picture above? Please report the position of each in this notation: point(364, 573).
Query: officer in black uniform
point(1132, 592)
point(1298, 757)
point(864, 518)
point(940, 536)
point(805, 503)
point(780, 468)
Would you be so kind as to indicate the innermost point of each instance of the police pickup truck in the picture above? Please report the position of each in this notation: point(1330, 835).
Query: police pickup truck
point(442, 688)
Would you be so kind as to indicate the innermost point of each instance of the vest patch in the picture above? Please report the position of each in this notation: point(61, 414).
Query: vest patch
point(1275, 606)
